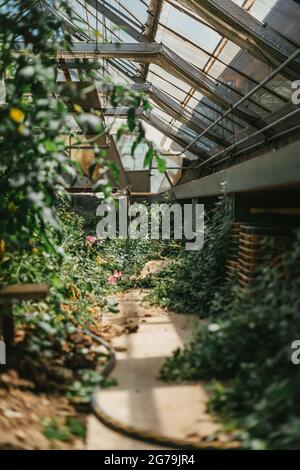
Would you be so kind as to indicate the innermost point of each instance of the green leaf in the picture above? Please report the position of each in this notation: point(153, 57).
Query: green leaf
point(121, 131)
point(91, 169)
point(149, 157)
point(147, 106)
point(131, 119)
point(114, 169)
point(161, 164)
point(50, 146)
point(134, 147)
point(76, 427)
point(54, 430)
point(56, 281)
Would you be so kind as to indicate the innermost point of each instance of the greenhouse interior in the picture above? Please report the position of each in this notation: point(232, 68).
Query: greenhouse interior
point(150, 226)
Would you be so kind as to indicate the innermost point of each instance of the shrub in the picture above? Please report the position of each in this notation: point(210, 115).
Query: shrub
point(248, 348)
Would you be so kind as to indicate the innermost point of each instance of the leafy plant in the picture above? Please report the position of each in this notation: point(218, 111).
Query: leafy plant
point(192, 284)
point(52, 330)
point(80, 392)
point(56, 429)
point(34, 166)
point(244, 348)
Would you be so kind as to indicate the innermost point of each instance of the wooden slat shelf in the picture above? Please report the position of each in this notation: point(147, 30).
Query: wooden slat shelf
point(12, 294)
point(24, 292)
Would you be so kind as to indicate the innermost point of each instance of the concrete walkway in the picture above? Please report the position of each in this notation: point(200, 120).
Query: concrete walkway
point(140, 398)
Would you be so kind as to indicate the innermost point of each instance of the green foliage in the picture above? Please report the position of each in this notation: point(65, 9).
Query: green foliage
point(136, 253)
point(34, 165)
point(191, 285)
point(247, 349)
point(55, 429)
point(77, 274)
point(32, 154)
point(80, 392)
point(124, 97)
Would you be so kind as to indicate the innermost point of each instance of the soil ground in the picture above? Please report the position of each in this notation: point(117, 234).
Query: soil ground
point(143, 337)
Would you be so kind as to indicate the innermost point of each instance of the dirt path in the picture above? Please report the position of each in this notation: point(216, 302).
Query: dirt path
point(140, 399)
point(26, 417)
point(143, 338)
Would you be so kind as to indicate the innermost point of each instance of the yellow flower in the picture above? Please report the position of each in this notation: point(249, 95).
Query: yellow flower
point(100, 260)
point(77, 108)
point(98, 34)
point(16, 115)
point(35, 250)
point(2, 248)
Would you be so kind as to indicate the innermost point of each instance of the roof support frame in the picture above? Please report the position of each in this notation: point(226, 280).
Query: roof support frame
point(178, 137)
point(117, 19)
point(154, 13)
point(238, 25)
point(172, 63)
point(178, 112)
point(214, 57)
point(230, 20)
point(152, 24)
point(173, 108)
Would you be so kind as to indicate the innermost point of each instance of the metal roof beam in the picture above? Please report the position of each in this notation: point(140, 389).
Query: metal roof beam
point(238, 25)
point(109, 87)
point(136, 52)
point(179, 137)
point(115, 17)
point(154, 13)
point(172, 63)
point(174, 109)
point(178, 112)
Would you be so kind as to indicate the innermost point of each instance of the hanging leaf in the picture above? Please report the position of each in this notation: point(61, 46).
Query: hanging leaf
point(131, 119)
point(147, 106)
point(91, 169)
point(149, 157)
point(134, 147)
point(121, 131)
point(161, 164)
point(141, 132)
point(113, 98)
point(114, 169)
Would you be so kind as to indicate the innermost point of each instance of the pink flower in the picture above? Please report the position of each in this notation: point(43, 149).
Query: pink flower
point(118, 274)
point(91, 240)
point(113, 279)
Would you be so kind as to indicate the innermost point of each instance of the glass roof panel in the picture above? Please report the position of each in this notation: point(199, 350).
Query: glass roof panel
point(184, 49)
point(189, 36)
point(167, 82)
point(188, 27)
